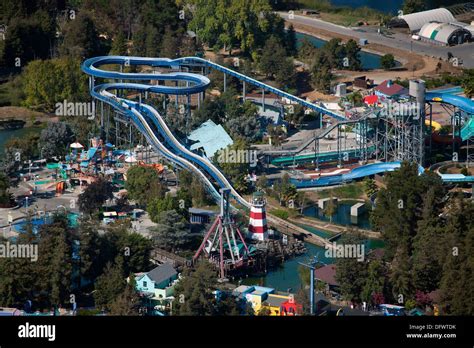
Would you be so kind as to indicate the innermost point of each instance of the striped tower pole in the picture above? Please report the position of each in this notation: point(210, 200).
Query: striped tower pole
point(258, 220)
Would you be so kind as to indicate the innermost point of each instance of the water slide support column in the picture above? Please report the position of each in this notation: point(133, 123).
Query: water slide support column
point(263, 100)
point(188, 110)
point(430, 107)
point(176, 98)
point(338, 147)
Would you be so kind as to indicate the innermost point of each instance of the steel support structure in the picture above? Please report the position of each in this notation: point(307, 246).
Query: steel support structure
point(220, 244)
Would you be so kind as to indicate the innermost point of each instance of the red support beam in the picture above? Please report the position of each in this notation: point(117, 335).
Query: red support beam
point(206, 237)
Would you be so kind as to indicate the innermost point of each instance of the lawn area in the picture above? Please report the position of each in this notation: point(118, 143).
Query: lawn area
point(350, 191)
point(349, 18)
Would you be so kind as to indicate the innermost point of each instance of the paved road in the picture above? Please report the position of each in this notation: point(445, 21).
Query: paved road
point(465, 52)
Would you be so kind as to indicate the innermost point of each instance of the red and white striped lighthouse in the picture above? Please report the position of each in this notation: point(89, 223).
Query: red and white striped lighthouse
point(258, 218)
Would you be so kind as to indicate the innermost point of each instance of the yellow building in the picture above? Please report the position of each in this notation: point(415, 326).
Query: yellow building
point(274, 304)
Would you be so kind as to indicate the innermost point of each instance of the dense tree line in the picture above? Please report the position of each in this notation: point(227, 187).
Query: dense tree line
point(333, 55)
point(71, 262)
point(428, 246)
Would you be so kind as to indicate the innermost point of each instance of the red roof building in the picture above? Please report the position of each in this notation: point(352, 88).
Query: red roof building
point(390, 89)
point(327, 274)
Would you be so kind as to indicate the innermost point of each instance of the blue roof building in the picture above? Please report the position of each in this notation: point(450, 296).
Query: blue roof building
point(210, 138)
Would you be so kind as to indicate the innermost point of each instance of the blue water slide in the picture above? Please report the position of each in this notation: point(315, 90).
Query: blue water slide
point(356, 173)
point(150, 123)
point(463, 103)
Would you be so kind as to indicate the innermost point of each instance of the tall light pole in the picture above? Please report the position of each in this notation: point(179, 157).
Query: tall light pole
point(312, 267)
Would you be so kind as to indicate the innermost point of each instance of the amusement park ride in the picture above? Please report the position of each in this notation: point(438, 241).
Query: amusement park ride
point(220, 243)
point(384, 137)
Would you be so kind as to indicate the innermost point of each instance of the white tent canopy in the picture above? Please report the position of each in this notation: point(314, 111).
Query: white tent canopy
point(416, 20)
point(76, 146)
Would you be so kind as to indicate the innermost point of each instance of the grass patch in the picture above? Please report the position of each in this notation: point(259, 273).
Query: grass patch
point(284, 213)
point(281, 213)
point(349, 191)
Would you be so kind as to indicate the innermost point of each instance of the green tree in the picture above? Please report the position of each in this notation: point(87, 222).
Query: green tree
point(370, 187)
point(273, 54)
point(6, 197)
point(429, 250)
point(468, 82)
point(171, 42)
point(143, 184)
point(47, 83)
point(387, 61)
point(194, 292)
point(159, 205)
point(54, 265)
point(295, 115)
point(95, 195)
point(399, 205)
point(81, 38)
point(400, 276)
point(330, 209)
point(109, 285)
point(356, 98)
point(352, 50)
point(457, 297)
point(351, 274)
point(235, 163)
point(90, 265)
point(55, 138)
point(18, 276)
point(411, 6)
point(291, 41)
point(321, 75)
point(284, 190)
point(227, 24)
point(375, 282)
point(172, 231)
point(126, 303)
point(27, 39)
point(307, 51)
point(119, 45)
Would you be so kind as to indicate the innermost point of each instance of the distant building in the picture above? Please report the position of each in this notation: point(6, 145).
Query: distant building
point(389, 89)
point(308, 12)
point(209, 138)
point(200, 216)
point(327, 275)
point(444, 33)
point(363, 82)
point(415, 21)
point(159, 282)
point(281, 305)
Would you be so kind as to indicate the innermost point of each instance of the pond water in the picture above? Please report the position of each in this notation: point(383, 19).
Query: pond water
point(391, 6)
point(5, 134)
point(342, 215)
point(369, 61)
point(286, 277)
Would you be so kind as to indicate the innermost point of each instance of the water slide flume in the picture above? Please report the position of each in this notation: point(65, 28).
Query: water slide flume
point(145, 116)
point(463, 103)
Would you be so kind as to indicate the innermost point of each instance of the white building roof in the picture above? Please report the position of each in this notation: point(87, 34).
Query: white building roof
point(440, 32)
point(416, 20)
